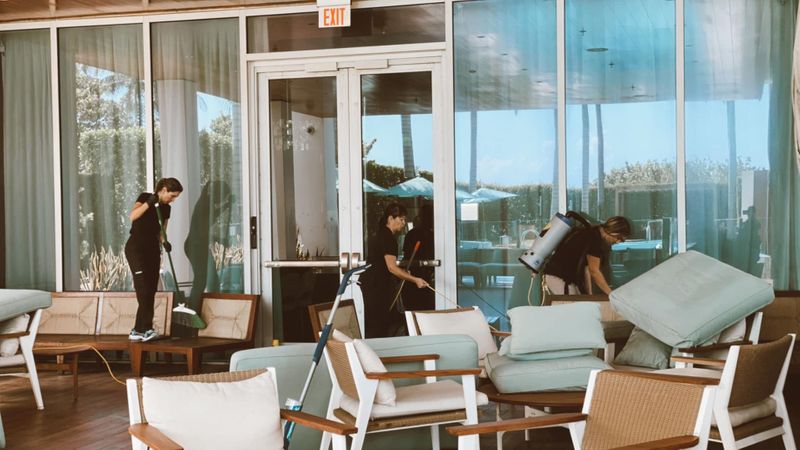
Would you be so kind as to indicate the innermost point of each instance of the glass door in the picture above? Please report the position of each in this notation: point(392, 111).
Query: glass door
point(337, 147)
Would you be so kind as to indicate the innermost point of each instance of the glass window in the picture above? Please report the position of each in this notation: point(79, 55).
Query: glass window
point(621, 155)
point(371, 26)
point(738, 137)
point(102, 150)
point(505, 144)
point(197, 140)
point(27, 221)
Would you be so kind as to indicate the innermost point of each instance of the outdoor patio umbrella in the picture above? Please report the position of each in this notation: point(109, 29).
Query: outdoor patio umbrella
point(370, 187)
point(484, 195)
point(415, 187)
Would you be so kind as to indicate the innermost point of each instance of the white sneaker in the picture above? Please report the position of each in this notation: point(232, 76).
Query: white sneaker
point(135, 336)
point(149, 335)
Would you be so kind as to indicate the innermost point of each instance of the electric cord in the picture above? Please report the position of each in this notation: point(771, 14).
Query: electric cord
point(456, 305)
point(75, 347)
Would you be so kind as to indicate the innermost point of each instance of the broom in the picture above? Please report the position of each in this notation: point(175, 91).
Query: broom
point(186, 316)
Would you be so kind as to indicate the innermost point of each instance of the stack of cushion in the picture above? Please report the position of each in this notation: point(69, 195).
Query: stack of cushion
point(550, 349)
point(689, 300)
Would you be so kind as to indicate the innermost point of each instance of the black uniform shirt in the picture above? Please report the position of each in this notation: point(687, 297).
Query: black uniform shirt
point(382, 243)
point(146, 227)
point(569, 260)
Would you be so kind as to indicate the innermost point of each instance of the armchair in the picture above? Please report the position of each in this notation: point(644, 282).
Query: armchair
point(354, 395)
point(145, 435)
point(627, 410)
point(24, 357)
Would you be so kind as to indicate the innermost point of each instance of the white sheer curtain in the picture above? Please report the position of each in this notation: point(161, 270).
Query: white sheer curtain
point(28, 160)
point(101, 74)
point(196, 95)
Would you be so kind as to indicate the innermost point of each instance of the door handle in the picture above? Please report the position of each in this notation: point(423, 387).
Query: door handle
point(430, 263)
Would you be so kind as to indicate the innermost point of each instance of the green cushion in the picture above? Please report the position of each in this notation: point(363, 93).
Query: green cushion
point(14, 302)
point(505, 347)
point(558, 327)
point(690, 298)
point(643, 350)
point(562, 374)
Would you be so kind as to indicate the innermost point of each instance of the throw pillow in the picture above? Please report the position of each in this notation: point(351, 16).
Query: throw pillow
point(9, 347)
point(558, 327)
point(239, 415)
point(371, 362)
point(469, 321)
point(643, 350)
point(505, 347)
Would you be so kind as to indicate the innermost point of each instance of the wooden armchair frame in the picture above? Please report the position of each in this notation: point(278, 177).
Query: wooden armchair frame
point(750, 374)
point(349, 378)
point(651, 417)
point(344, 305)
point(145, 436)
point(752, 334)
point(26, 340)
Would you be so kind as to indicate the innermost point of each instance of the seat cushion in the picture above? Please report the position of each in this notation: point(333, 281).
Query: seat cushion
point(423, 398)
point(9, 347)
point(558, 327)
point(14, 302)
point(232, 415)
point(643, 350)
point(469, 321)
point(505, 350)
point(563, 374)
point(690, 298)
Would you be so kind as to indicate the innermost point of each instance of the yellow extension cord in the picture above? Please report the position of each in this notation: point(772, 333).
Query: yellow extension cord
point(75, 347)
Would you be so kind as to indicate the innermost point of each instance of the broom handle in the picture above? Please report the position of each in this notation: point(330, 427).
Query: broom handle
point(164, 237)
point(403, 282)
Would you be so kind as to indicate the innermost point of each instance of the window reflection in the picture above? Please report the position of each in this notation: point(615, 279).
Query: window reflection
point(621, 125)
point(102, 149)
point(505, 143)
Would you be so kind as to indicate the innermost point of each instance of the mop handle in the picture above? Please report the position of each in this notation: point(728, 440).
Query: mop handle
point(403, 282)
point(323, 340)
point(164, 236)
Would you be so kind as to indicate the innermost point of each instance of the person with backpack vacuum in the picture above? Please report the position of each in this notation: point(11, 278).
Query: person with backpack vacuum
point(577, 261)
point(143, 251)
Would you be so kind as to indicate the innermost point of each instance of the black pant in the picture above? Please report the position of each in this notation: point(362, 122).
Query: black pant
point(144, 260)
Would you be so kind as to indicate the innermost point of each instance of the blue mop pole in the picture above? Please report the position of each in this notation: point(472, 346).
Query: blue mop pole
point(297, 405)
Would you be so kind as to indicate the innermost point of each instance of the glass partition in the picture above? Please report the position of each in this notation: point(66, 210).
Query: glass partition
point(621, 145)
point(101, 75)
point(27, 218)
point(505, 146)
point(737, 135)
point(197, 139)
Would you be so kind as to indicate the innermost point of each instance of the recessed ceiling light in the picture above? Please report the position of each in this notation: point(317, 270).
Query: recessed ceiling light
point(597, 49)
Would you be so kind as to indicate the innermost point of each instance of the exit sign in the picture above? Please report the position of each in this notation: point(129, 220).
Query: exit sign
point(334, 16)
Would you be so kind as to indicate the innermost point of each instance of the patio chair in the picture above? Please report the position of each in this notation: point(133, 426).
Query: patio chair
point(625, 409)
point(355, 394)
point(749, 406)
point(25, 333)
point(346, 320)
point(222, 391)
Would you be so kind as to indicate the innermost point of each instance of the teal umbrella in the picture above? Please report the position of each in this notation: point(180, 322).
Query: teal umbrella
point(484, 195)
point(370, 187)
point(415, 187)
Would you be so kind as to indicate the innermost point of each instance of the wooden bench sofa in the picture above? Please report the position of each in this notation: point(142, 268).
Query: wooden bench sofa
point(80, 320)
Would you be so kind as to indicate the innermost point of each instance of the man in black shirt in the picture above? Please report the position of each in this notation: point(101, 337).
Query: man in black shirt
point(576, 264)
point(143, 253)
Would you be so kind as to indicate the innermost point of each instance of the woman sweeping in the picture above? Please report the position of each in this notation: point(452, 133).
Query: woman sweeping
point(143, 253)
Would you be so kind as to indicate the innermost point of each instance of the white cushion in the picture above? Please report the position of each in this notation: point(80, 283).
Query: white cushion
point(734, 333)
point(11, 361)
point(444, 395)
point(371, 362)
point(557, 327)
point(470, 322)
point(9, 347)
point(239, 415)
point(748, 413)
point(341, 337)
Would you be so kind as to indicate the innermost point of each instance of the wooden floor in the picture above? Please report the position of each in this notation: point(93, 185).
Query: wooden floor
point(99, 418)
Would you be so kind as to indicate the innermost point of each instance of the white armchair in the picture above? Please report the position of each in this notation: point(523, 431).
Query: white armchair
point(25, 334)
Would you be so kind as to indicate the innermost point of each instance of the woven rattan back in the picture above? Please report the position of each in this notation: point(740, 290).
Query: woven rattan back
point(757, 371)
point(627, 409)
point(341, 367)
point(220, 377)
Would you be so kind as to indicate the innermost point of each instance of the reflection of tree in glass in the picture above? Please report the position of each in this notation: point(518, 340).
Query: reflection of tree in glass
point(111, 166)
